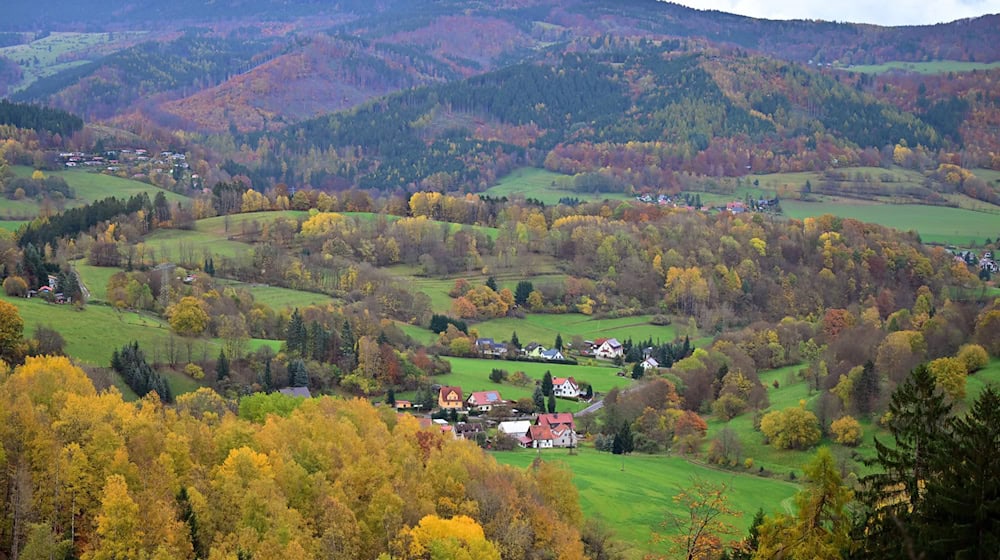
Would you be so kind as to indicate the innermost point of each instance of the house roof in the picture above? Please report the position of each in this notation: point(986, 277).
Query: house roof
point(562, 380)
point(651, 361)
point(555, 418)
point(613, 342)
point(447, 390)
point(485, 397)
point(296, 392)
point(551, 353)
point(539, 433)
point(484, 342)
point(514, 427)
point(468, 428)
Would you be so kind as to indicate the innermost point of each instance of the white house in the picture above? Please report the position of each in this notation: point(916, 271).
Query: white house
point(649, 363)
point(552, 354)
point(561, 426)
point(609, 349)
point(539, 437)
point(484, 401)
point(565, 387)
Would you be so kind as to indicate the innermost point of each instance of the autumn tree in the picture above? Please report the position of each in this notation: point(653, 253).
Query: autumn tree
point(11, 334)
point(702, 521)
point(950, 376)
point(188, 317)
point(791, 428)
point(459, 537)
point(820, 528)
point(846, 431)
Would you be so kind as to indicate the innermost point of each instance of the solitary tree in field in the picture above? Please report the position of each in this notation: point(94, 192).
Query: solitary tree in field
point(699, 528)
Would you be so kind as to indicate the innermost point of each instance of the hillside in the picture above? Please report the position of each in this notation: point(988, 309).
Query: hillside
point(638, 112)
point(203, 59)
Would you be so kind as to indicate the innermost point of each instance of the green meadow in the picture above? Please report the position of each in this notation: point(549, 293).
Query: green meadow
point(279, 298)
point(531, 182)
point(543, 328)
point(932, 67)
point(50, 55)
point(474, 375)
point(935, 224)
point(87, 187)
point(634, 496)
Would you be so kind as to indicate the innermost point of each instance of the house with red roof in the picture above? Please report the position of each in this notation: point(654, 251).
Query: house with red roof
point(484, 401)
point(450, 398)
point(540, 437)
point(561, 426)
point(565, 387)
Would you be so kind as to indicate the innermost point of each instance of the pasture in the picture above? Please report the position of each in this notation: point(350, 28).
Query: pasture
point(635, 502)
point(543, 328)
point(279, 298)
point(935, 224)
point(62, 51)
point(932, 67)
point(531, 182)
point(474, 375)
point(87, 187)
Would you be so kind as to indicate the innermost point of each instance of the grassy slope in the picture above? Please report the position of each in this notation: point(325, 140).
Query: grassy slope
point(87, 186)
point(951, 226)
point(531, 182)
point(635, 502)
point(933, 67)
point(52, 53)
point(544, 328)
point(473, 375)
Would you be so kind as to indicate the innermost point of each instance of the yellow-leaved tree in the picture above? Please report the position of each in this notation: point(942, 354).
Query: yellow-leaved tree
point(458, 538)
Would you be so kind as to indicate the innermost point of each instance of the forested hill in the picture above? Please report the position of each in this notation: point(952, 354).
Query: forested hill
point(641, 108)
point(32, 117)
point(301, 58)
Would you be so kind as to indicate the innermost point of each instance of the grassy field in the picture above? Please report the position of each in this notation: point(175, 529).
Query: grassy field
point(990, 375)
point(87, 186)
point(93, 333)
point(473, 375)
point(544, 328)
point(42, 58)
point(635, 502)
point(933, 67)
point(279, 298)
point(950, 226)
point(531, 182)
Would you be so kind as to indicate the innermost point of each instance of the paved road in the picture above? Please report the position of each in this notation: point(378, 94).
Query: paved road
point(592, 408)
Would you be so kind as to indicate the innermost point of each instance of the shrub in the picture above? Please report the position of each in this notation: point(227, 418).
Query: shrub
point(728, 406)
point(846, 431)
point(194, 371)
point(973, 355)
point(15, 286)
point(748, 463)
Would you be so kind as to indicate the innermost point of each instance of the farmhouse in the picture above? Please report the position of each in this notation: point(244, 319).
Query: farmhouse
point(484, 401)
point(516, 429)
point(533, 350)
point(489, 347)
point(539, 437)
point(450, 398)
point(649, 363)
point(561, 426)
point(552, 354)
point(565, 387)
point(608, 348)
point(468, 430)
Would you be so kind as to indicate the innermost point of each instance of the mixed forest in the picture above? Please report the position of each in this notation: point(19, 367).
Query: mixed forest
point(206, 220)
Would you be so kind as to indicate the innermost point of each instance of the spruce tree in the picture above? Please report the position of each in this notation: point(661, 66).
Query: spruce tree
point(297, 374)
point(559, 342)
point(491, 283)
point(514, 340)
point(547, 384)
point(522, 291)
point(295, 333)
point(268, 379)
point(552, 404)
point(918, 422)
point(538, 398)
point(390, 397)
point(221, 366)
